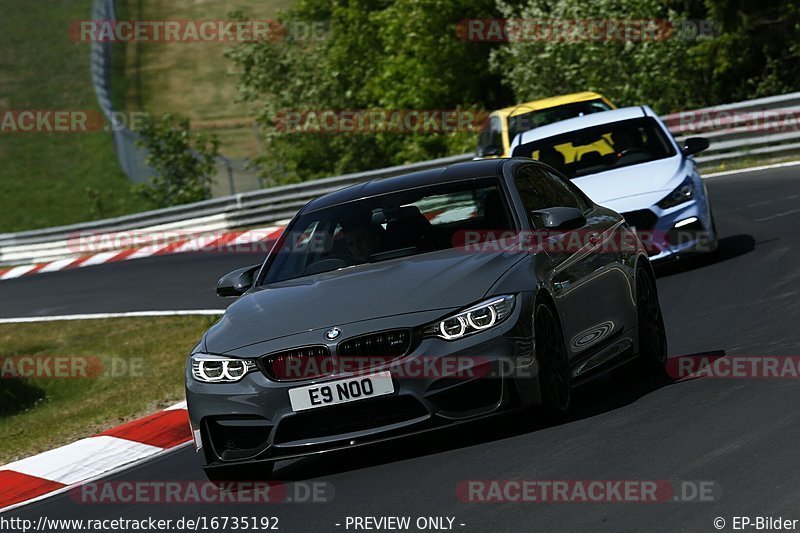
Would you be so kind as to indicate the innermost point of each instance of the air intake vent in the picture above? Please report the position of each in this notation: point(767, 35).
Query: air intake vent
point(297, 364)
point(386, 345)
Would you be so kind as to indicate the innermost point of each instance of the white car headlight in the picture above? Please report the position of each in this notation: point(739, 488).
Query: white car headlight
point(682, 193)
point(477, 318)
point(216, 369)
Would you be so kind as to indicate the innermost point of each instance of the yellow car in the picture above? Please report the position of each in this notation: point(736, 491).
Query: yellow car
point(505, 124)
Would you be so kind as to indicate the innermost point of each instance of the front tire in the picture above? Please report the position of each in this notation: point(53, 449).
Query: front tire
point(715, 243)
point(555, 376)
point(652, 333)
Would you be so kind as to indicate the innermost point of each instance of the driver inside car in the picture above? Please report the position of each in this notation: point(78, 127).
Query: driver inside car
point(362, 240)
point(625, 139)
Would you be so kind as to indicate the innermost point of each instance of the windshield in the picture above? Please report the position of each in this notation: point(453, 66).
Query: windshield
point(389, 226)
point(591, 150)
point(534, 119)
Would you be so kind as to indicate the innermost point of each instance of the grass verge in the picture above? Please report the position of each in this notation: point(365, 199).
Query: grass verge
point(49, 179)
point(748, 162)
point(135, 367)
point(193, 79)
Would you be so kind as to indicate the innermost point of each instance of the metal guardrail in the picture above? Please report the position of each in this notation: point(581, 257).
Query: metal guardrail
point(762, 126)
point(733, 135)
point(232, 174)
point(131, 157)
point(219, 214)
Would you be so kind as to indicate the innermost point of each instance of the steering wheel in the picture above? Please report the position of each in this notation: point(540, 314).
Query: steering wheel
point(629, 151)
point(332, 262)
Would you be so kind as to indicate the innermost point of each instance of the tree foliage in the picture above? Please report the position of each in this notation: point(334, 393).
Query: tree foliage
point(184, 162)
point(406, 54)
point(627, 72)
point(757, 52)
point(752, 52)
point(378, 54)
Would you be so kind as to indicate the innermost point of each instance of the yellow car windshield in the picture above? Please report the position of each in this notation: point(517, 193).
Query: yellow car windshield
point(541, 117)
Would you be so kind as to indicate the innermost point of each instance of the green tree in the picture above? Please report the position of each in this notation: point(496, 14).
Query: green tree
point(656, 71)
point(754, 51)
point(184, 162)
point(378, 54)
point(407, 54)
point(757, 52)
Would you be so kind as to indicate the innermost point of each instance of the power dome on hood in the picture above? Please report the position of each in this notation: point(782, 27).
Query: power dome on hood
point(438, 280)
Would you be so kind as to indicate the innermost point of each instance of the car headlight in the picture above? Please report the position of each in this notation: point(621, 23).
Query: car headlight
point(682, 193)
point(477, 318)
point(216, 369)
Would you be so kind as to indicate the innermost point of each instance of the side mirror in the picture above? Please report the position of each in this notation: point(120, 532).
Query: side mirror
point(237, 282)
point(557, 218)
point(694, 145)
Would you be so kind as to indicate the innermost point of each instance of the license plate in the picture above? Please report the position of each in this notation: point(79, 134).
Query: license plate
point(341, 391)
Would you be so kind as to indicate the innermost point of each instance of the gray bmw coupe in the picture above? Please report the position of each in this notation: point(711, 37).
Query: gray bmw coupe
point(416, 302)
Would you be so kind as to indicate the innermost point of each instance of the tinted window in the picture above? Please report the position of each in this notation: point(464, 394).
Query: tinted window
point(540, 189)
point(389, 226)
point(600, 148)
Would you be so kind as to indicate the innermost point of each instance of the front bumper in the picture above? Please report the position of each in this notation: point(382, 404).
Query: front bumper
point(669, 233)
point(252, 420)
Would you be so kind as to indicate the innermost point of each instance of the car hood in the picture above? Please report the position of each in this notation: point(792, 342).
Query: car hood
point(438, 280)
point(634, 186)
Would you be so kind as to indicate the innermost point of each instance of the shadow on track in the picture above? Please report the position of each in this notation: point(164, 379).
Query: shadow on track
point(18, 395)
point(729, 247)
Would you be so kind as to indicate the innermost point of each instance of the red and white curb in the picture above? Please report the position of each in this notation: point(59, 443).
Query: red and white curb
point(229, 241)
point(103, 316)
point(58, 470)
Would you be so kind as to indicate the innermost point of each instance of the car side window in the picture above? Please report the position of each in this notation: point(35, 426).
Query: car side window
point(541, 189)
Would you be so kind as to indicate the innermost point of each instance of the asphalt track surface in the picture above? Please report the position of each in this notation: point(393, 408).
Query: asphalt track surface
point(741, 434)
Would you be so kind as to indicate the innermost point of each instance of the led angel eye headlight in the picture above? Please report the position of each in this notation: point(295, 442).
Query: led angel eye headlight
point(210, 370)
point(236, 369)
point(214, 369)
point(477, 318)
point(453, 328)
point(482, 318)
